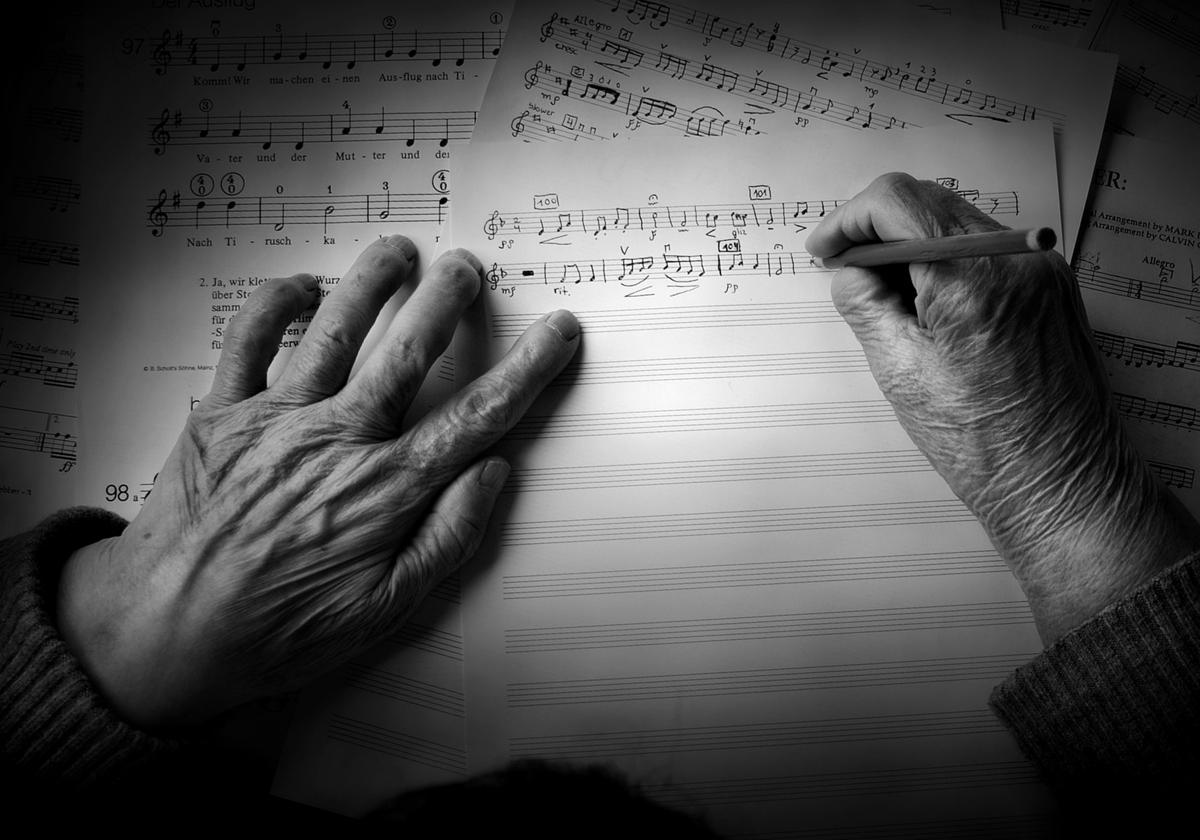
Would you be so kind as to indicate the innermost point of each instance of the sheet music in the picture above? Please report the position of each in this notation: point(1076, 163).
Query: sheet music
point(978, 12)
point(1157, 90)
point(1074, 23)
point(39, 303)
point(719, 563)
point(1139, 271)
point(242, 143)
point(644, 68)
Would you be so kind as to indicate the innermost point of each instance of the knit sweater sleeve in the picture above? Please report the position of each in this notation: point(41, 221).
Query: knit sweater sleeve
point(1118, 698)
point(54, 727)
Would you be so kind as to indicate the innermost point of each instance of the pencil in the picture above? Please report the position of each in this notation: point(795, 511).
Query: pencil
point(988, 244)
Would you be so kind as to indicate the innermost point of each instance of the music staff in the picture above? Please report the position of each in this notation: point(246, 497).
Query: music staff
point(712, 367)
point(64, 123)
point(741, 418)
point(725, 315)
point(530, 127)
point(237, 52)
point(964, 778)
point(146, 487)
point(700, 216)
point(16, 435)
point(634, 272)
point(39, 308)
point(1173, 475)
point(773, 96)
point(1090, 276)
point(405, 689)
point(708, 524)
point(683, 577)
point(428, 637)
point(1164, 99)
point(1162, 23)
point(1136, 352)
point(279, 212)
point(714, 471)
point(749, 628)
point(61, 194)
point(677, 686)
point(441, 127)
point(703, 121)
point(824, 61)
point(757, 736)
point(34, 366)
point(33, 251)
point(1156, 411)
point(393, 742)
point(1066, 15)
point(60, 62)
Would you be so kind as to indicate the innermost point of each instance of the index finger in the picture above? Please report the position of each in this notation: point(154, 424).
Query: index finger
point(322, 362)
point(896, 206)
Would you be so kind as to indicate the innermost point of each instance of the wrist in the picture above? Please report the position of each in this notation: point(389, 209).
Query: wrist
point(111, 622)
point(55, 727)
point(1112, 549)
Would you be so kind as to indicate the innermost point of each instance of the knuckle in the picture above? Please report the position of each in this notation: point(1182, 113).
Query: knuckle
point(336, 337)
point(489, 406)
point(409, 353)
point(898, 189)
point(894, 185)
point(459, 539)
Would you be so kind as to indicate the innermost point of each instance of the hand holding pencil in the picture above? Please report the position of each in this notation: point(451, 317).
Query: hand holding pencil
point(991, 369)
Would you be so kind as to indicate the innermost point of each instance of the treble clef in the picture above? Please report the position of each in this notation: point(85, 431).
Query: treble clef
point(494, 276)
point(162, 55)
point(158, 218)
point(548, 28)
point(518, 123)
point(531, 75)
point(160, 136)
point(492, 226)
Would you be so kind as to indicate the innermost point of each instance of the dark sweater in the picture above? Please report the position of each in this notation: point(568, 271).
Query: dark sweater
point(1112, 706)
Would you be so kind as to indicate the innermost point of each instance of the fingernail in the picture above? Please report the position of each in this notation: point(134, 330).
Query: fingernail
point(495, 472)
point(564, 323)
point(309, 282)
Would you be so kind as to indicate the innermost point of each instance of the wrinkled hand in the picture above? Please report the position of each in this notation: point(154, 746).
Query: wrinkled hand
point(294, 524)
point(995, 378)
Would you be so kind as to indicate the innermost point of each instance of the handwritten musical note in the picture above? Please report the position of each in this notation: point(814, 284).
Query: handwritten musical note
point(684, 217)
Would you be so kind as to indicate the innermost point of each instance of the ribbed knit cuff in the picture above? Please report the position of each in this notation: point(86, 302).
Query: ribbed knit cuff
point(1119, 696)
point(54, 728)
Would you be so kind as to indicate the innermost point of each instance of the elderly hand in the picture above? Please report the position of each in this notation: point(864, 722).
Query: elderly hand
point(295, 524)
point(995, 378)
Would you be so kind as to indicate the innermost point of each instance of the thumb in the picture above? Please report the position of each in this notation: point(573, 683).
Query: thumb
point(899, 351)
